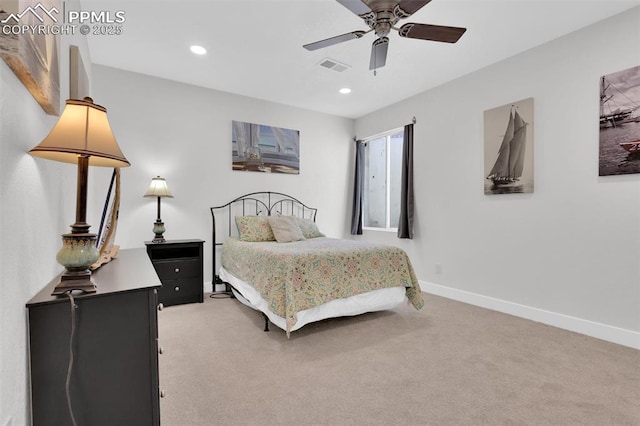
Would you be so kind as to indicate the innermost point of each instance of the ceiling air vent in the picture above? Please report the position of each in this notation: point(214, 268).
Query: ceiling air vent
point(332, 64)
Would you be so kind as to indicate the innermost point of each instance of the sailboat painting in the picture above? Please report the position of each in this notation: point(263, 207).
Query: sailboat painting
point(620, 122)
point(508, 148)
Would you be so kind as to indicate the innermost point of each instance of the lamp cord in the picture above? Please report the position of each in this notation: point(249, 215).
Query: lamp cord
point(70, 367)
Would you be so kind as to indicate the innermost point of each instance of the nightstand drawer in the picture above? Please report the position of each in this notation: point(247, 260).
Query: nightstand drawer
point(175, 292)
point(177, 269)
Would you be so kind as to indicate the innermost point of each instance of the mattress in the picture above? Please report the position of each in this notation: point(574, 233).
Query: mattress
point(287, 280)
point(376, 300)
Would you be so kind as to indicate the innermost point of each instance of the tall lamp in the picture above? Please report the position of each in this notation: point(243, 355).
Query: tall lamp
point(81, 136)
point(158, 188)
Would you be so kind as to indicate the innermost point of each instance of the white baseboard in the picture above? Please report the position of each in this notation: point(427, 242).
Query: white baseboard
point(609, 333)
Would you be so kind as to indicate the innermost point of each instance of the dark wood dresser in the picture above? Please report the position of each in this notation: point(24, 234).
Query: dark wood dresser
point(179, 266)
point(114, 379)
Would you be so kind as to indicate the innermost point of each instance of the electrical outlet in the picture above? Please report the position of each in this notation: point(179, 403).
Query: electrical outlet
point(438, 268)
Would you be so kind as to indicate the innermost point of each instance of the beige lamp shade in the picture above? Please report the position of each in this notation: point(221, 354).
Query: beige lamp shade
point(82, 136)
point(82, 130)
point(158, 188)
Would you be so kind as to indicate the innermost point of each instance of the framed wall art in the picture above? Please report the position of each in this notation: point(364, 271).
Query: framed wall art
point(33, 55)
point(508, 148)
point(267, 149)
point(78, 79)
point(620, 122)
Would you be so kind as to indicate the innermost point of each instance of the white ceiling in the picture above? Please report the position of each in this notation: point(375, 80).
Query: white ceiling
point(255, 46)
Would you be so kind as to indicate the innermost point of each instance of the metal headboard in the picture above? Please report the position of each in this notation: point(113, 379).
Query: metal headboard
point(264, 203)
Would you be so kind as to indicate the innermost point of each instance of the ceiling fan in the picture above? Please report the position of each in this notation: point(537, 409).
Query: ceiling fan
point(381, 16)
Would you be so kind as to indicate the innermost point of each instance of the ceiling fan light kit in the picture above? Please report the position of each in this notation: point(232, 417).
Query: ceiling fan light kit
point(381, 16)
point(379, 53)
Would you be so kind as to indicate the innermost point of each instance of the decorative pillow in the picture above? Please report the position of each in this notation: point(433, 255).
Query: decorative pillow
point(309, 228)
point(285, 229)
point(254, 228)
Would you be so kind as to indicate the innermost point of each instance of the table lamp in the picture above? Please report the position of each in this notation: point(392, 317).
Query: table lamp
point(81, 136)
point(158, 188)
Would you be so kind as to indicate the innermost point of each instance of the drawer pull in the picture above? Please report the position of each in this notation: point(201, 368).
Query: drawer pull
point(176, 270)
point(177, 288)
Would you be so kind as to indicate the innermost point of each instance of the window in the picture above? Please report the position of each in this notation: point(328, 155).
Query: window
point(382, 180)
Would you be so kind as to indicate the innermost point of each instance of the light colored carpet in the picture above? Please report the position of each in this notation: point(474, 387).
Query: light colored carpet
point(448, 364)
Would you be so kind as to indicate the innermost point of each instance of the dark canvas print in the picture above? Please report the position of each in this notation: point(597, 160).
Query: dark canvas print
point(620, 122)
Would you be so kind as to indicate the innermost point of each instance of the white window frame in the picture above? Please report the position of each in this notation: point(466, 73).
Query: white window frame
point(387, 135)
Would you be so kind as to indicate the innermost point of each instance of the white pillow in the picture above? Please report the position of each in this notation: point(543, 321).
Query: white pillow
point(285, 229)
point(309, 228)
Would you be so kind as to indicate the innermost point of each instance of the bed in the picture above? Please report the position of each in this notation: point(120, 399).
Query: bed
point(275, 259)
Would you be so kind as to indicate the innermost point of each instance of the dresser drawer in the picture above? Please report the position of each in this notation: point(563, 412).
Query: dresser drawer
point(177, 269)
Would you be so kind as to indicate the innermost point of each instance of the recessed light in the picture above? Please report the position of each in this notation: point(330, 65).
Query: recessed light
point(345, 90)
point(198, 50)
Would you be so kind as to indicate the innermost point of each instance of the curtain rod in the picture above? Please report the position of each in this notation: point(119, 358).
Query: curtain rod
point(413, 120)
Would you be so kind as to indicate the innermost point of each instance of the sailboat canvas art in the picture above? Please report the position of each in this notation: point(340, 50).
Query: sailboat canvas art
point(620, 122)
point(508, 148)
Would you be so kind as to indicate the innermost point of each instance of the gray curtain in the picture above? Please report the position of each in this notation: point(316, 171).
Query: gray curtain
point(358, 189)
point(405, 225)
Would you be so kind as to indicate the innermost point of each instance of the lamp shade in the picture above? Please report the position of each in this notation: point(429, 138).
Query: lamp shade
point(82, 130)
point(158, 188)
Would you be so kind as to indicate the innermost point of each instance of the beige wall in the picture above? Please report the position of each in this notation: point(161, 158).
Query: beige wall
point(569, 253)
point(183, 133)
point(37, 199)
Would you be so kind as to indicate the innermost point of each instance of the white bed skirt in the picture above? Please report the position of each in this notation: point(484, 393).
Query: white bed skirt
point(377, 300)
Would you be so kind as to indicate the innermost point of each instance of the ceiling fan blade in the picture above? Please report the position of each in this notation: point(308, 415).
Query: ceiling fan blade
point(334, 40)
point(431, 32)
point(379, 53)
point(355, 6)
point(406, 8)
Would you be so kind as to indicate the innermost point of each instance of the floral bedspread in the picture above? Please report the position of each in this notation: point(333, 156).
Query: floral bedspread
point(299, 275)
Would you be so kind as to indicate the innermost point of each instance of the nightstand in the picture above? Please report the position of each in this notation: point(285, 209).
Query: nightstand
point(178, 264)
